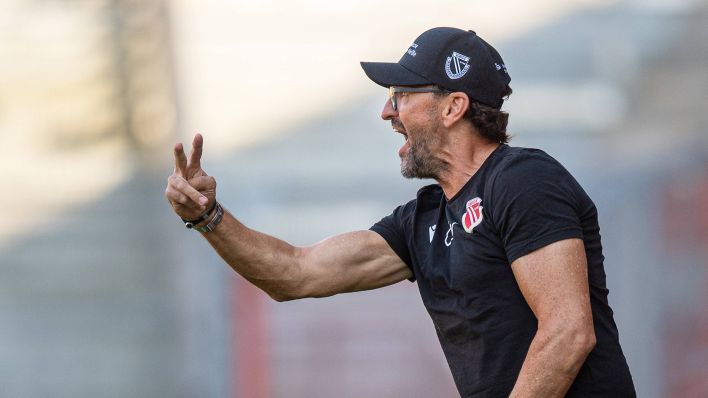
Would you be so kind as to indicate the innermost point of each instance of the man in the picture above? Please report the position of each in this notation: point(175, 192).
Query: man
point(505, 247)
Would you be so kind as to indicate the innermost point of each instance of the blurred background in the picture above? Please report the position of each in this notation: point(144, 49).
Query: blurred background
point(104, 293)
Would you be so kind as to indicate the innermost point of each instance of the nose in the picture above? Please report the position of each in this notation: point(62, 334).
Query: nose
point(387, 113)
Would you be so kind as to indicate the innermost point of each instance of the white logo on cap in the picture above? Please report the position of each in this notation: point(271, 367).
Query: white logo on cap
point(411, 50)
point(457, 65)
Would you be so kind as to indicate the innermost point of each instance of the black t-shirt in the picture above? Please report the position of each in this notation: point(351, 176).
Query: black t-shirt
point(460, 251)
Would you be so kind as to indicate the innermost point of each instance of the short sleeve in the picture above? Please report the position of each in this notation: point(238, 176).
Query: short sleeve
point(396, 229)
point(533, 203)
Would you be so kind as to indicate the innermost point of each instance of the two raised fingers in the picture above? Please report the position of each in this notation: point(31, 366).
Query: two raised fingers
point(195, 156)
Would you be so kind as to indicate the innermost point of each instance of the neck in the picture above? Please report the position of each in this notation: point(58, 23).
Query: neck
point(464, 158)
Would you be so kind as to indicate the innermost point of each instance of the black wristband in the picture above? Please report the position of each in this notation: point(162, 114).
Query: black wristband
point(218, 216)
point(191, 223)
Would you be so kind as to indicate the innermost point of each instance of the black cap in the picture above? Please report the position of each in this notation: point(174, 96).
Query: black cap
point(451, 58)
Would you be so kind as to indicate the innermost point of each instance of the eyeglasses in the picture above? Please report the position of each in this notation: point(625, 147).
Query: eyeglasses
point(393, 90)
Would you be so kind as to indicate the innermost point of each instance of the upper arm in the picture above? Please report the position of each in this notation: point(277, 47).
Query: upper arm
point(349, 262)
point(554, 282)
point(533, 202)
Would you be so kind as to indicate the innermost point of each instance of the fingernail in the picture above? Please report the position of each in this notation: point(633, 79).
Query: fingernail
point(203, 200)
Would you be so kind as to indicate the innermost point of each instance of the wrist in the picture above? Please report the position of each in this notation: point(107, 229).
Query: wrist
point(202, 219)
point(213, 220)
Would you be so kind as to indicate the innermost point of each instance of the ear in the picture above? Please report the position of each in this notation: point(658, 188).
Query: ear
point(454, 108)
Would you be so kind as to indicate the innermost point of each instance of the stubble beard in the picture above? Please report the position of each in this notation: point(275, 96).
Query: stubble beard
point(420, 162)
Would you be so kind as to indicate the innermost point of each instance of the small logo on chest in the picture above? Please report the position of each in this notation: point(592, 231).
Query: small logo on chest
point(473, 214)
point(450, 235)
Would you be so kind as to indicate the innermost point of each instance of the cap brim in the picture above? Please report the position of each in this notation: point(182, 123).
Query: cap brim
point(389, 74)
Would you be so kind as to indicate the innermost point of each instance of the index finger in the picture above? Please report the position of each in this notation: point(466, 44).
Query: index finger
point(196, 155)
point(180, 159)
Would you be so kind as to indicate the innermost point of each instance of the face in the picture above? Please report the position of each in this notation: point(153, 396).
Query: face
point(418, 120)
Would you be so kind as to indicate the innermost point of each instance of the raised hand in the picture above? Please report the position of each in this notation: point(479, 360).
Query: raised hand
point(190, 190)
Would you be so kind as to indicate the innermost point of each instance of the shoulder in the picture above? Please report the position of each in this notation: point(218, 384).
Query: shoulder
point(520, 166)
point(429, 196)
point(426, 198)
point(519, 157)
point(432, 191)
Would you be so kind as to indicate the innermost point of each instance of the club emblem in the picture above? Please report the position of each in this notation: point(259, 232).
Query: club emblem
point(473, 215)
point(411, 49)
point(457, 65)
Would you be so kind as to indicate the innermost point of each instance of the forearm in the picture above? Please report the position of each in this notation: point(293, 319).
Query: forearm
point(269, 263)
point(552, 363)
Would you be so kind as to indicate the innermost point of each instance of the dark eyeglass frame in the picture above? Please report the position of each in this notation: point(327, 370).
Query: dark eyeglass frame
point(392, 90)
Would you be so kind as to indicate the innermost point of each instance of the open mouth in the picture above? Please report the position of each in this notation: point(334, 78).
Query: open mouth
point(403, 133)
point(404, 148)
point(397, 127)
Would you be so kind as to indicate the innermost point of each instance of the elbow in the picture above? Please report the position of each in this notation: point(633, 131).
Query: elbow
point(293, 282)
point(577, 340)
point(293, 289)
point(304, 280)
point(581, 340)
point(280, 297)
point(587, 341)
point(286, 293)
point(299, 291)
